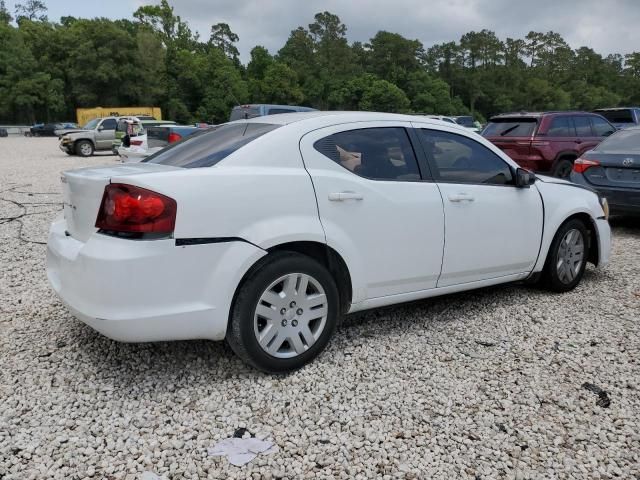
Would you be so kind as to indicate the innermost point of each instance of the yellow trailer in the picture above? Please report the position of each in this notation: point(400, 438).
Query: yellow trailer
point(83, 115)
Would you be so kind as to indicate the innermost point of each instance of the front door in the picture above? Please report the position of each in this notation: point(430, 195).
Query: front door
point(106, 133)
point(492, 228)
point(376, 208)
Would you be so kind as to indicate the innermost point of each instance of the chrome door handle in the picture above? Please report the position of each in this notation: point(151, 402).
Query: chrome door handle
point(461, 197)
point(342, 196)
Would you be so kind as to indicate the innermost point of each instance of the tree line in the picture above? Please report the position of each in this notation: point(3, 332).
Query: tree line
point(47, 69)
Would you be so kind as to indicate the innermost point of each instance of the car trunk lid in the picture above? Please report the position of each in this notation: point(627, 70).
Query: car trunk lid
point(82, 191)
point(615, 169)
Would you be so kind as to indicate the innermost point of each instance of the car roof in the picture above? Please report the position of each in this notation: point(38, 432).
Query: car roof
point(318, 119)
point(612, 109)
point(541, 114)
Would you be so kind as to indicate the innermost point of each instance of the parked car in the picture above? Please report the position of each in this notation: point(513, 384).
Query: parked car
point(261, 109)
point(65, 128)
point(136, 126)
point(266, 231)
point(467, 121)
point(44, 129)
point(96, 136)
point(613, 169)
point(153, 140)
point(621, 117)
point(3, 132)
point(547, 142)
point(442, 118)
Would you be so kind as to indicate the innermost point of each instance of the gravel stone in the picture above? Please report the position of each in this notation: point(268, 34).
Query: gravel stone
point(480, 385)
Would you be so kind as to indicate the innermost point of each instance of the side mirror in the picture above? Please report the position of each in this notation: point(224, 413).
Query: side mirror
point(100, 128)
point(524, 178)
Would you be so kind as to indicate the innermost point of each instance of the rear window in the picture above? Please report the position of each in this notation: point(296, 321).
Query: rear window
point(617, 116)
point(510, 127)
point(209, 147)
point(623, 141)
point(242, 113)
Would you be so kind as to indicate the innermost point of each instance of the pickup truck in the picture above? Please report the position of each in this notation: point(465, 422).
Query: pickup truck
point(97, 135)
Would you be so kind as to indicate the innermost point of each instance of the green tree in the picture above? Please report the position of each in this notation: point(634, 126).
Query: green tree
point(384, 96)
point(5, 16)
point(32, 10)
point(223, 38)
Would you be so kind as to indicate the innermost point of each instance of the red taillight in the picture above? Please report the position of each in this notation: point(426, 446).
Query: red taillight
point(582, 164)
point(131, 209)
point(174, 137)
point(137, 143)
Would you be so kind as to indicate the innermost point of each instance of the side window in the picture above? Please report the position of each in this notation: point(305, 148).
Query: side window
point(376, 153)
point(583, 126)
point(275, 111)
point(459, 159)
point(109, 124)
point(560, 127)
point(601, 128)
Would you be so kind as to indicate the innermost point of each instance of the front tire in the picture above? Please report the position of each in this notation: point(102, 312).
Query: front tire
point(84, 148)
point(284, 314)
point(567, 257)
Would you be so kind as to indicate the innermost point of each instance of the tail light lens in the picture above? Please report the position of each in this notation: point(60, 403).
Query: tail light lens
point(131, 209)
point(137, 143)
point(174, 137)
point(582, 164)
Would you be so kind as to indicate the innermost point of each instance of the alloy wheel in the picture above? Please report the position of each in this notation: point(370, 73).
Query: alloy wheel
point(290, 315)
point(570, 256)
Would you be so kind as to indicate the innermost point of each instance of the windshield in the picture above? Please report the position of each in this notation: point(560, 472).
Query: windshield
point(617, 116)
point(510, 127)
point(211, 146)
point(91, 124)
point(623, 141)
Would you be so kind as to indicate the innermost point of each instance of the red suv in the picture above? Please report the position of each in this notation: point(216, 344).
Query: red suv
point(547, 142)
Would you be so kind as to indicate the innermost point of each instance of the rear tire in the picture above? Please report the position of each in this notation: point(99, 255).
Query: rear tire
point(567, 257)
point(563, 168)
point(284, 314)
point(84, 148)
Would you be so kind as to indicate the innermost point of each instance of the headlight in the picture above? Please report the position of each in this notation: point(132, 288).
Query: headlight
point(605, 207)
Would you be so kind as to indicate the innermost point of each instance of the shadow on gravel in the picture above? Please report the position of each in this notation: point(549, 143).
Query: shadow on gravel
point(122, 365)
point(625, 224)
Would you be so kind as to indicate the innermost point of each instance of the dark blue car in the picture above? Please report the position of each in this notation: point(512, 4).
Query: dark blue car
point(613, 169)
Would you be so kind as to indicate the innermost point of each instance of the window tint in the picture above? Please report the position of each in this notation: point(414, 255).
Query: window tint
point(560, 127)
point(376, 153)
point(211, 146)
point(510, 127)
point(275, 111)
point(460, 159)
point(601, 128)
point(583, 126)
point(109, 124)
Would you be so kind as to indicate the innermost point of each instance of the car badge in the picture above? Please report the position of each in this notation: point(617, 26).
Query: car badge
point(627, 162)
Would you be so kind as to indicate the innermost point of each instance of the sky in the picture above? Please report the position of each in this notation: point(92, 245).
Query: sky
point(607, 26)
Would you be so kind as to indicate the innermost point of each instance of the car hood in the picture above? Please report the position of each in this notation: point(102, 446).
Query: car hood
point(559, 181)
point(75, 133)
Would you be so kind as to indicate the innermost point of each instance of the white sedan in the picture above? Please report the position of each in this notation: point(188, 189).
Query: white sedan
point(265, 232)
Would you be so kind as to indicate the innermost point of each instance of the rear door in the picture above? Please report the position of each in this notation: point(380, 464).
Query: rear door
point(601, 129)
point(492, 228)
point(375, 206)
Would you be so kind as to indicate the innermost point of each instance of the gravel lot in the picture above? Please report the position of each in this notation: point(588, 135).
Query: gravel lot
point(482, 385)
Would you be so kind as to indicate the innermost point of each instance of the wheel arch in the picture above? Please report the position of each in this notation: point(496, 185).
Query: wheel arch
point(323, 254)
